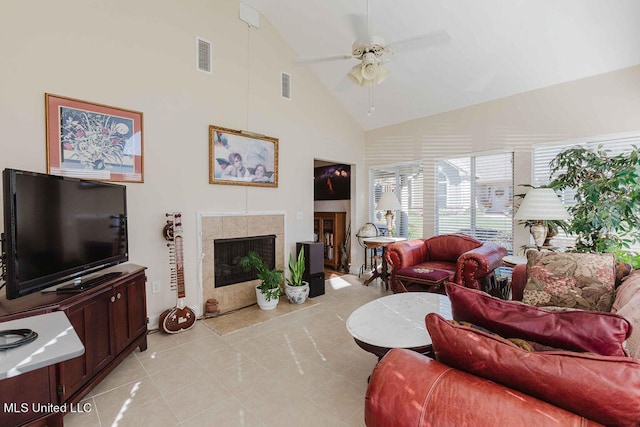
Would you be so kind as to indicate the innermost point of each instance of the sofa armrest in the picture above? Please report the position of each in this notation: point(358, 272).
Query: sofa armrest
point(407, 388)
point(474, 265)
point(406, 253)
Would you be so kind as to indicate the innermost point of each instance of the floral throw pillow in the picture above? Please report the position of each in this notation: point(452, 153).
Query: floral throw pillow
point(574, 280)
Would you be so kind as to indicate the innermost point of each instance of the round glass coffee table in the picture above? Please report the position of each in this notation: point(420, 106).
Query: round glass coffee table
point(397, 321)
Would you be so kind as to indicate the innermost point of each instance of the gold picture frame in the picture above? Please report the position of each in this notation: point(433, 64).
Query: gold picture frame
point(242, 158)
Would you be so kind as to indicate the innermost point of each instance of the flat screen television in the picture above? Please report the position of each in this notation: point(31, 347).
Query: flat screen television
point(59, 228)
point(332, 182)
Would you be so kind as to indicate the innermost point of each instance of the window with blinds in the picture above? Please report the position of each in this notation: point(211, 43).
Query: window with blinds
point(474, 196)
point(544, 153)
point(406, 181)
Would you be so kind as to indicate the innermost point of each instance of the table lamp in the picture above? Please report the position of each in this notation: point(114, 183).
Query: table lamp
point(540, 205)
point(388, 202)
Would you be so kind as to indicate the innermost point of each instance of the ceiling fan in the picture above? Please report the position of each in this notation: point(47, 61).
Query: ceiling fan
point(373, 52)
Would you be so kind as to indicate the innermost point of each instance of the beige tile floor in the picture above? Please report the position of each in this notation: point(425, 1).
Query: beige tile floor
point(300, 369)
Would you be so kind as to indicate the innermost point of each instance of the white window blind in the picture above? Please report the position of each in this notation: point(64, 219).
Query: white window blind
point(474, 196)
point(543, 154)
point(406, 181)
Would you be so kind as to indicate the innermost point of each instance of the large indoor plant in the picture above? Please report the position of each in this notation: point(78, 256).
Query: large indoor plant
point(268, 291)
point(606, 212)
point(296, 289)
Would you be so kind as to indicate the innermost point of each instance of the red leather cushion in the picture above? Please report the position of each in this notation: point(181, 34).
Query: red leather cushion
point(423, 273)
point(576, 330)
point(605, 389)
point(448, 247)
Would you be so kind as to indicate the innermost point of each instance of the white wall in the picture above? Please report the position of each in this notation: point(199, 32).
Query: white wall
point(600, 105)
point(140, 55)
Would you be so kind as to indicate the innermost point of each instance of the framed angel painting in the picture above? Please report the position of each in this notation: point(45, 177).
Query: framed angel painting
point(242, 158)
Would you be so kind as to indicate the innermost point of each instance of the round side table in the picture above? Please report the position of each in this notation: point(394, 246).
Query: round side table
point(513, 260)
point(396, 321)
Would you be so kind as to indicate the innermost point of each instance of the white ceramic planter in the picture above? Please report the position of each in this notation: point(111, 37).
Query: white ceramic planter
point(296, 294)
point(263, 303)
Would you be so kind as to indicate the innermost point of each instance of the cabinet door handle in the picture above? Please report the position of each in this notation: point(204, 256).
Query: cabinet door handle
point(119, 295)
point(113, 299)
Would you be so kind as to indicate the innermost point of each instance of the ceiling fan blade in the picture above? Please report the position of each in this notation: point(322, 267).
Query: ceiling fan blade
point(344, 84)
point(360, 26)
point(435, 38)
point(323, 59)
point(483, 80)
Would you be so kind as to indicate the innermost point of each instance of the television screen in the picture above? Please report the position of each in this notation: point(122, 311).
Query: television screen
point(332, 182)
point(57, 228)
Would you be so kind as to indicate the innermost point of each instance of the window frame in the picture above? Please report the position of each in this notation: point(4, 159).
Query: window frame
point(505, 233)
point(399, 175)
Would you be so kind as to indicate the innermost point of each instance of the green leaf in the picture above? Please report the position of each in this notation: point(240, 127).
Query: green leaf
point(607, 195)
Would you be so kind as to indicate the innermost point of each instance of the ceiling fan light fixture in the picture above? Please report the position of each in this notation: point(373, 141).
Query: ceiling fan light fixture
point(356, 74)
point(369, 67)
point(378, 50)
point(382, 74)
point(369, 71)
point(368, 74)
point(363, 76)
point(358, 49)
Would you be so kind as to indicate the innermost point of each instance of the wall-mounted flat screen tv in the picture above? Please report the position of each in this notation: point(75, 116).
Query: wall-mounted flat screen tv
point(58, 228)
point(332, 182)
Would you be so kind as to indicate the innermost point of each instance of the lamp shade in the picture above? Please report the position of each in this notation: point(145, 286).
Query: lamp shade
point(541, 204)
point(388, 202)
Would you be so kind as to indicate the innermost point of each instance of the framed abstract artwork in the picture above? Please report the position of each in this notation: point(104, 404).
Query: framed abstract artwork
point(242, 158)
point(93, 141)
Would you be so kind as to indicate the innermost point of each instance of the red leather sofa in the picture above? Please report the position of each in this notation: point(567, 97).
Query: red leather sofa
point(410, 389)
point(468, 261)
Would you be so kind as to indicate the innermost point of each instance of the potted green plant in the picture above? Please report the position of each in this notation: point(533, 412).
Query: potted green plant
point(268, 291)
point(607, 195)
point(296, 289)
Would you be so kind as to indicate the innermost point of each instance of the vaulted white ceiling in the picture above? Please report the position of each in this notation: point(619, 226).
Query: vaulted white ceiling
point(497, 48)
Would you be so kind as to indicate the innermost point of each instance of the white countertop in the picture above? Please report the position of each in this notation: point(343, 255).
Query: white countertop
point(383, 239)
point(397, 321)
point(57, 341)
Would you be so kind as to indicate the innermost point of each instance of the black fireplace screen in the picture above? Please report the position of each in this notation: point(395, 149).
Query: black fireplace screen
point(228, 252)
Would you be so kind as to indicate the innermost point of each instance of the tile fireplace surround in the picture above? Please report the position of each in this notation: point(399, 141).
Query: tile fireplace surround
point(226, 226)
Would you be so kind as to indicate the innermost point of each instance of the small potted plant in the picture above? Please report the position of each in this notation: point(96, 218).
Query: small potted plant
point(295, 288)
point(268, 291)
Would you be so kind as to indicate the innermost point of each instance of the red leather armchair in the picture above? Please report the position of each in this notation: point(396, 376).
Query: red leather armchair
point(468, 261)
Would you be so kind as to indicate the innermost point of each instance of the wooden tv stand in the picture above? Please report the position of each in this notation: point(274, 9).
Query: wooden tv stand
point(111, 321)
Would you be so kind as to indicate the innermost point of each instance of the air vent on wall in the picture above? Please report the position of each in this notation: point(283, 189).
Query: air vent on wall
point(203, 55)
point(285, 86)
